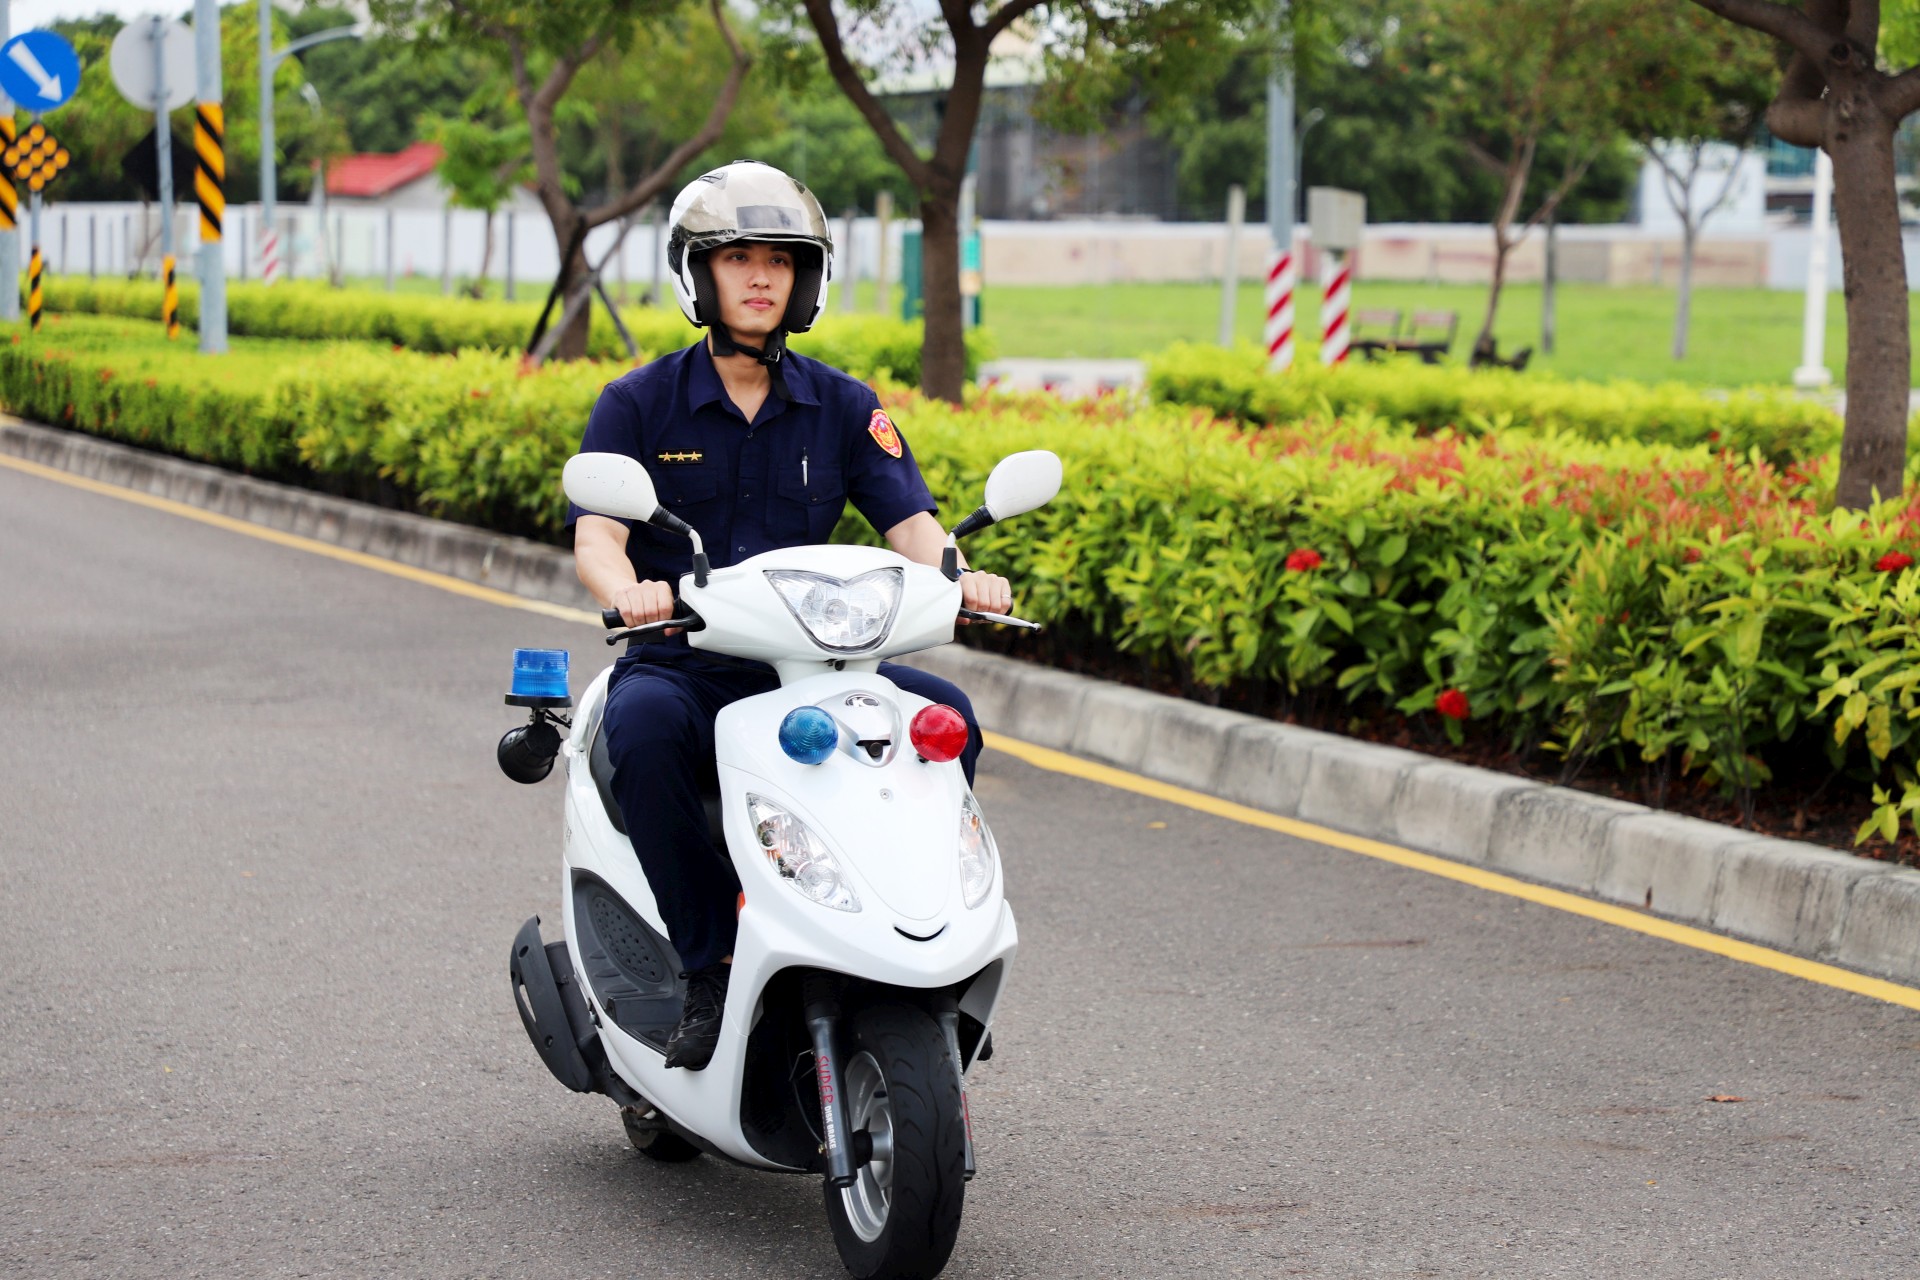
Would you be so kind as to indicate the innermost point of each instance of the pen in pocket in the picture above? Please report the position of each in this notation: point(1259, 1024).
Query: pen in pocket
point(803, 468)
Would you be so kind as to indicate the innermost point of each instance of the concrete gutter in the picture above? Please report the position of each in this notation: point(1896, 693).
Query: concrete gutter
point(1786, 894)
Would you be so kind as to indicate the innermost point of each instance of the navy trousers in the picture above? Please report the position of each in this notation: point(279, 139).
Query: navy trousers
point(659, 725)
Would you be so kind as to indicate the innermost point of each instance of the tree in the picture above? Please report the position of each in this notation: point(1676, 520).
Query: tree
point(542, 47)
point(1834, 95)
point(1105, 47)
point(482, 161)
point(1519, 72)
point(1704, 92)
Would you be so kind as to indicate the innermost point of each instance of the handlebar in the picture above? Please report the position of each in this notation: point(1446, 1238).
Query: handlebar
point(648, 630)
point(973, 615)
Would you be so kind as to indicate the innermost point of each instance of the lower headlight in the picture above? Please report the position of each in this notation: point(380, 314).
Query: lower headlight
point(978, 853)
point(801, 857)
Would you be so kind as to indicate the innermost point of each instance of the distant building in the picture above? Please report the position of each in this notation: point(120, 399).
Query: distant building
point(1025, 171)
point(407, 179)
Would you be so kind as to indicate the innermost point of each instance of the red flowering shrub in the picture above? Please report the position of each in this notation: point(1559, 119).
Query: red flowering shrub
point(1452, 704)
point(1304, 560)
point(1893, 562)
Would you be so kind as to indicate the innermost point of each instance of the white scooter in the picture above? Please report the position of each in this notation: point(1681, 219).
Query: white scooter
point(873, 936)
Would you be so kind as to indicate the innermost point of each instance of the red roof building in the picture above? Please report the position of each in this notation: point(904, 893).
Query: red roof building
point(384, 178)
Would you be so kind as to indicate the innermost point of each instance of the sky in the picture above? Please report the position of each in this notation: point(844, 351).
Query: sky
point(28, 14)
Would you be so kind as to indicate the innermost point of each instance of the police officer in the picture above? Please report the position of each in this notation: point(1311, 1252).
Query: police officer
point(758, 449)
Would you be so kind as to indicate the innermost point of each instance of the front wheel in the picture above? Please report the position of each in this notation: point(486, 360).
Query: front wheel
point(899, 1219)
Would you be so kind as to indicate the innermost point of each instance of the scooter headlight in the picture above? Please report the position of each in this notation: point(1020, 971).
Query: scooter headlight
point(978, 853)
point(801, 857)
point(849, 615)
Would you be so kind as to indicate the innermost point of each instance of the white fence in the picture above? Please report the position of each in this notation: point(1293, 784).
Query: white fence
point(369, 244)
point(373, 244)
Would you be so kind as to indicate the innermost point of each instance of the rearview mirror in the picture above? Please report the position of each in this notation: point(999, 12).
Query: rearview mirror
point(611, 484)
point(1022, 482)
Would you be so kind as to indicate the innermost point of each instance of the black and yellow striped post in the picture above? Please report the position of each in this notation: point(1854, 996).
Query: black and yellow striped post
point(170, 300)
point(10, 218)
point(210, 168)
point(33, 289)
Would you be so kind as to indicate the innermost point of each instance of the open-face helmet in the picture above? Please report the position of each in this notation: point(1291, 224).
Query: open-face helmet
point(748, 201)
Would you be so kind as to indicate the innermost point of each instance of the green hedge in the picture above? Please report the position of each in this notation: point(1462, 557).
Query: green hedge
point(1688, 609)
point(1235, 384)
point(864, 345)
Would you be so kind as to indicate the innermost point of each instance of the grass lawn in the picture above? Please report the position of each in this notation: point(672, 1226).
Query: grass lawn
point(1740, 337)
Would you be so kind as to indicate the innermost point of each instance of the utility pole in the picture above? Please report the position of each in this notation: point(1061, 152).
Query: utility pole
point(1812, 374)
point(210, 177)
point(269, 173)
point(270, 61)
point(9, 198)
point(1283, 272)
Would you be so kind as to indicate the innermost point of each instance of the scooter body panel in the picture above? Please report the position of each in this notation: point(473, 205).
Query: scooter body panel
point(893, 828)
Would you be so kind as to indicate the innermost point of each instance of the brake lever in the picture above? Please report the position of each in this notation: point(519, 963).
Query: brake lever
point(1001, 619)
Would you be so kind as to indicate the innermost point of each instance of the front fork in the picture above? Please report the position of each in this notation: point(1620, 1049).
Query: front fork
point(844, 1151)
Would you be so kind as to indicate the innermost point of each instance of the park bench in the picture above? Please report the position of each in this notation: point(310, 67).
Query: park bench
point(1374, 331)
point(1429, 334)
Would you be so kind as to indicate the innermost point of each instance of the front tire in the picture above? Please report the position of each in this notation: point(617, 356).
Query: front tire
point(900, 1218)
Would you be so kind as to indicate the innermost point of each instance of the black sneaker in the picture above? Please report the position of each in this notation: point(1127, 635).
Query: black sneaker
point(693, 1041)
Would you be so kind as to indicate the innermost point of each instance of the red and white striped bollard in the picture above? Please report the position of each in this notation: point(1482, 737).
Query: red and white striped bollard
point(1282, 273)
point(1335, 304)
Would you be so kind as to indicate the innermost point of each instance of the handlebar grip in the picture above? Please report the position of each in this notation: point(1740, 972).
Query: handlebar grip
point(611, 618)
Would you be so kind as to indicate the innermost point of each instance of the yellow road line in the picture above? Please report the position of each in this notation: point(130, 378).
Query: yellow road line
point(426, 577)
point(1105, 775)
point(1478, 877)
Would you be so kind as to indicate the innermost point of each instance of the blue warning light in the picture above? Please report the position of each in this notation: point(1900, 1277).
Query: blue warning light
point(809, 735)
point(540, 673)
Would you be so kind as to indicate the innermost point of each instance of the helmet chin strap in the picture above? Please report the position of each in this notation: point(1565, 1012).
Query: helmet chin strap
point(772, 356)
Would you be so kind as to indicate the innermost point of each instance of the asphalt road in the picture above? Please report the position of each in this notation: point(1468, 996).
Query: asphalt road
point(260, 874)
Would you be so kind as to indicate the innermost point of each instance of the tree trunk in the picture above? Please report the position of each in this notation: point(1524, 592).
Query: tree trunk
point(479, 289)
point(943, 356)
point(1683, 313)
point(573, 339)
point(1874, 271)
point(1483, 346)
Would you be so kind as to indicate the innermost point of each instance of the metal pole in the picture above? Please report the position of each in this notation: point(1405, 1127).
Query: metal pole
point(882, 282)
point(1230, 273)
point(849, 262)
point(269, 176)
point(9, 232)
point(659, 255)
point(446, 251)
point(509, 255)
point(1282, 271)
point(64, 269)
point(93, 246)
point(162, 133)
point(389, 251)
point(210, 176)
point(1812, 373)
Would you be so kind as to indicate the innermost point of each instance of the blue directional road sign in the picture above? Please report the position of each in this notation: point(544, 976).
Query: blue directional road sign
point(39, 70)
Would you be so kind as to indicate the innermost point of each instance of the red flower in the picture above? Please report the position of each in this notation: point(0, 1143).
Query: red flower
point(1452, 704)
point(1893, 562)
point(1692, 555)
point(1304, 559)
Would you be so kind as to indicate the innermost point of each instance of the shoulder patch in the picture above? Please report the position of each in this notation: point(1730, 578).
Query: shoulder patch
point(880, 427)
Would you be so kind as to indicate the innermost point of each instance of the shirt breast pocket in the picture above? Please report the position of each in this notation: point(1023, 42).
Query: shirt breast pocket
point(685, 486)
point(805, 507)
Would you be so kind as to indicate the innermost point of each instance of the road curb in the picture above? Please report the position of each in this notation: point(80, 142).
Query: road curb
point(1786, 894)
point(519, 565)
point(1797, 897)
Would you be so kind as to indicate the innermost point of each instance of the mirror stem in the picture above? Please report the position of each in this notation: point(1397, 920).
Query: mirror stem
point(950, 560)
point(699, 558)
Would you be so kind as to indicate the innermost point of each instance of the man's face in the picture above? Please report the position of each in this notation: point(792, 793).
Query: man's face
point(754, 282)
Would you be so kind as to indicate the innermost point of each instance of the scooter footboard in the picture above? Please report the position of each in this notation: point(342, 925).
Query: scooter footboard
point(552, 1009)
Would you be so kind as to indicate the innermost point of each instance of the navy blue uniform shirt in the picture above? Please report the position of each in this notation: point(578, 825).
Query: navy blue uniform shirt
point(781, 480)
